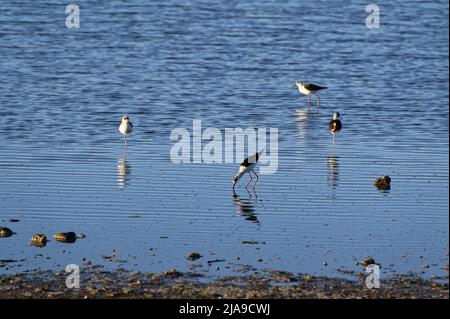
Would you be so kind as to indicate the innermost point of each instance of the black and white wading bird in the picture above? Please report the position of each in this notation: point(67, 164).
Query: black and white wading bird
point(335, 124)
point(309, 89)
point(125, 127)
point(248, 166)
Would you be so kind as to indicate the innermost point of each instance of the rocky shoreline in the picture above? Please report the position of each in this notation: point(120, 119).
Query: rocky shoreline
point(96, 283)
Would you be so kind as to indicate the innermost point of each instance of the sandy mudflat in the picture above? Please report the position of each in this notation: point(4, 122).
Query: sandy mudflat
point(96, 283)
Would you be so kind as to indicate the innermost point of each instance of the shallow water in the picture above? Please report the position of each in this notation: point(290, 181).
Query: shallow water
point(231, 64)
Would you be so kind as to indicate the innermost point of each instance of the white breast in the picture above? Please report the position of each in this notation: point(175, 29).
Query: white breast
point(304, 90)
point(125, 128)
point(247, 169)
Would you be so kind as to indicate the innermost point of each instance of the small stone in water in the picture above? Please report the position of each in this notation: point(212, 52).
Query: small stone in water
point(39, 240)
point(69, 237)
point(367, 262)
point(193, 256)
point(383, 182)
point(5, 232)
point(172, 273)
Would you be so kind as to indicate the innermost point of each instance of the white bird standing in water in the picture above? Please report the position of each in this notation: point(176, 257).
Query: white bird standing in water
point(247, 166)
point(126, 127)
point(309, 89)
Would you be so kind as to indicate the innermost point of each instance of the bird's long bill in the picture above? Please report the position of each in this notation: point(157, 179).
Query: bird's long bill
point(236, 179)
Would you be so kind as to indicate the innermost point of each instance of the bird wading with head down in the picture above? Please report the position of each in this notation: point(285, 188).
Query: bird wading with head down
point(248, 166)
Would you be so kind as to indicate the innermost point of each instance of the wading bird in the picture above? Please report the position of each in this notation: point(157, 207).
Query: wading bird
point(125, 127)
point(247, 166)
point(335, 124)
point(309, 89)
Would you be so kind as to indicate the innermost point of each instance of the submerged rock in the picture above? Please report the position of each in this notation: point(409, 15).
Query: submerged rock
point(383, 182)
point(5, 232)
point(39, 240)
point(194, 256)
point(249, 242)
point(69, 237)
point(194, 266)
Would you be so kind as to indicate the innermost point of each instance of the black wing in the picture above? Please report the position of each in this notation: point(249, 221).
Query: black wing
point(130, 124)
point(314, 87)
point(251, 160)
point(335, 126)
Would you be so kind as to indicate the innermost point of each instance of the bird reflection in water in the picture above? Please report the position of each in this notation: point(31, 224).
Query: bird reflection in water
point(333, 171)
point(302, 117)
point(246, 207)
point(123, 172)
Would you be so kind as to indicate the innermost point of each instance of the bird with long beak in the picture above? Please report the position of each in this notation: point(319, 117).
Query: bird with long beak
point(248, 166)
point(125, 127)
point(309, 89)
point(335, 124)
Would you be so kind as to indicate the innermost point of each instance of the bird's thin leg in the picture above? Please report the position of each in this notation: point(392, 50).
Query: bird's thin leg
point(126, 146)
point(257, 177)
point(318, 101)
point(309, 101)
point(252, 195)
point(246, 187)
point(334, 143)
